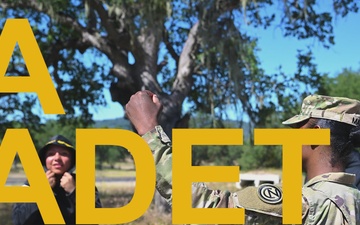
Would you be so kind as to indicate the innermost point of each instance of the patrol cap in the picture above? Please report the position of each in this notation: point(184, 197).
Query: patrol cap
point(344, 110)
point(58, 140)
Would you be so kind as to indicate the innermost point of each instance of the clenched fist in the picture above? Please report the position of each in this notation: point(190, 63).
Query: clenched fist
point(51, 178)
point(67, 182)
point(142, 110)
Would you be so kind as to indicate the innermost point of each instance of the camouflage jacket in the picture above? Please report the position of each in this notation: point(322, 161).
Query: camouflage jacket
point(202, 196)
point(327, 199)
point(332, 198)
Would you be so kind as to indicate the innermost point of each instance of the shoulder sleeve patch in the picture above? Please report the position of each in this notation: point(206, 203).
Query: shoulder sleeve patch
point(269, 193)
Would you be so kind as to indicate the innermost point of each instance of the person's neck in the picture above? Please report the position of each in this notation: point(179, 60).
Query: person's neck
point(311, 173)
point(320, 164)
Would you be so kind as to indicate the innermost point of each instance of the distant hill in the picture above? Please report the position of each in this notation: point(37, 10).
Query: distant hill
point(113, 123)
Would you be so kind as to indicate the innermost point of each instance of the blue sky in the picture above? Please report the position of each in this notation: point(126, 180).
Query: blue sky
point(275, 50)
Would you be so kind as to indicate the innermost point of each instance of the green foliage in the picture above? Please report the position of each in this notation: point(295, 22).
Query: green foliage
point(217, 155)
point(247, 156)
point(345, 84)
point(127, 46)
point(225, 67)
point(259, 157)
point(220, 154)
point(53, 127)
point(109, 155)
point(79, 82)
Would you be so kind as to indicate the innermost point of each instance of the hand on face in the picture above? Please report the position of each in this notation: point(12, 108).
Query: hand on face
point(51, 178)
point(142, 110)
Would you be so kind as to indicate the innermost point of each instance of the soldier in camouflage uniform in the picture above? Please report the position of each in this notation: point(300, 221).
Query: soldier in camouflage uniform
point(329, 197)
point(330, 194)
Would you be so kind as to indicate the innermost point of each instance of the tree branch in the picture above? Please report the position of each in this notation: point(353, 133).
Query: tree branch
point(87, 38)
point(118, 36)
point(170, 47)
point(183, 82)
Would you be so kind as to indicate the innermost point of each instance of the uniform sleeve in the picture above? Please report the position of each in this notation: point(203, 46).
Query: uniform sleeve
point(203, 197)
point(161, 148)
point(325, 214)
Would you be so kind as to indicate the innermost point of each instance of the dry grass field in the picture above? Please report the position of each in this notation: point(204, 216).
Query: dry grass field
point(115, 198)
point(118, 194)
point(112, 194)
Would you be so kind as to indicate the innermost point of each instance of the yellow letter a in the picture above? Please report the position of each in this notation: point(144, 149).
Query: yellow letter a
point(39, 191)
point(39, 81)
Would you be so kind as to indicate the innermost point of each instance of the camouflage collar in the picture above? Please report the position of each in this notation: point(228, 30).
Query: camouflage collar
point(341, 178)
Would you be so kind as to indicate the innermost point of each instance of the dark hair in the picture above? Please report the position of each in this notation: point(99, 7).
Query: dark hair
point(343, 138)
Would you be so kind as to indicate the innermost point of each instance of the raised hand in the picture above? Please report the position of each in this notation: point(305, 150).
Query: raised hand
point(51, 178)
point(142, 110)
point(67, 182)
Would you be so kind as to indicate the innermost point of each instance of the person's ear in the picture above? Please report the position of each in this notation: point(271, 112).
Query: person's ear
point(313, 147)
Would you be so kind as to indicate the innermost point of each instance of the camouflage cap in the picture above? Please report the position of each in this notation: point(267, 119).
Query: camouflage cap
point(339, 109)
